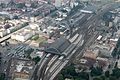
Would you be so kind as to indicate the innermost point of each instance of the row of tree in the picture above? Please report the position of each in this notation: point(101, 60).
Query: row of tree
point(2, 76)
point(69, 72)
point(96, 73)
point(115, 75)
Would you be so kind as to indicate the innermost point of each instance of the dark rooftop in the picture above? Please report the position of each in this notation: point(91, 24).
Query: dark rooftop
point(59, 46)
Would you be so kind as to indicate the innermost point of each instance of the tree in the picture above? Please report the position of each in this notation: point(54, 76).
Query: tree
point(112, 78)
point(64, 72)
point(69, 72)
point(77, 78)
point(107, 73)
point(116, 73)
point(35, 37)
point(97, 79)
point(60, 77)
point(83, 75)
point(2, 76)
point(96, 71)
point(36, 59)
point(103, 77)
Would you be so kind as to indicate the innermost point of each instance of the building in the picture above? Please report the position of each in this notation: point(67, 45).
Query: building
point(59, 3)
point(5, 1)
point(3, 32)
point(20, 69)
point(23, 35)
point(103, 62)
point(87, 62)
point(90, 54)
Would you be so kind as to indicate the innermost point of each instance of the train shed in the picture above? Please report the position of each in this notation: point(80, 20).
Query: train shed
point(58, 47)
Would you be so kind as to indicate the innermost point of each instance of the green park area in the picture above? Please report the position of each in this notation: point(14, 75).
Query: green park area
point(39, 39)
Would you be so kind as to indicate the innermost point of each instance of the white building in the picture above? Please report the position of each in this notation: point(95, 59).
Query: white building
point(34, 26)
point(23, 35)
point(3, 32)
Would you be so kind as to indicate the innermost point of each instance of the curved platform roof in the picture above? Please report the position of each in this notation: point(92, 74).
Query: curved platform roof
point(58, 47)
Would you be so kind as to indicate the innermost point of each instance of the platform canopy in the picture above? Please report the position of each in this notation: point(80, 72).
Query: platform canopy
point(58, 47)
